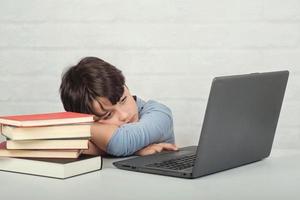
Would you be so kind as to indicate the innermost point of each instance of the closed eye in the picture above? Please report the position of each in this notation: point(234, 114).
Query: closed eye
point(124, 99)
point(107, 116)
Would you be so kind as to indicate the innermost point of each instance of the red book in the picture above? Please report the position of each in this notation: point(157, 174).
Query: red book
point(46, 119)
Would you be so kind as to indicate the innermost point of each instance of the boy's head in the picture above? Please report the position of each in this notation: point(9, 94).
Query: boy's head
point(96, 87)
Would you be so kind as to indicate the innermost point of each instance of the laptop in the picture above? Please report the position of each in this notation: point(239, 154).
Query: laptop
point(238, 128)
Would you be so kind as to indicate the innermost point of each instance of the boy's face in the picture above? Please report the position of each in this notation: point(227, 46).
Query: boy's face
point(123, 112)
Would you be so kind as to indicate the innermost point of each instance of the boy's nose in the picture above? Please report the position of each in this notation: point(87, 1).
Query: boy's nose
point(123, 116)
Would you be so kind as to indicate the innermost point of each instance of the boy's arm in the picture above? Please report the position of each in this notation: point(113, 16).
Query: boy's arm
point(102, 133)
point(155, 126)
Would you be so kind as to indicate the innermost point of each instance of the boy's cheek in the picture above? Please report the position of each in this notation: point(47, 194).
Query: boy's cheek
point(136, 118)
point(109, 122)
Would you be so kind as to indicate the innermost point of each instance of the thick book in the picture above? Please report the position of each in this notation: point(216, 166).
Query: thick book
point(46, 119)
point(50, 167)
point(47, 132)
point(4, 152)
point(47, 144)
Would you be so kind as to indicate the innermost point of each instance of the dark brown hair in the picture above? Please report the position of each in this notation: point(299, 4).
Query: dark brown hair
point(89, 79)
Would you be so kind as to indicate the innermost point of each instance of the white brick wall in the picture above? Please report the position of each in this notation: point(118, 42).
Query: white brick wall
point(169, 50)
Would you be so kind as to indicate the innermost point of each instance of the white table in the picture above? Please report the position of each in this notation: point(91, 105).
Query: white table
point(277, 177)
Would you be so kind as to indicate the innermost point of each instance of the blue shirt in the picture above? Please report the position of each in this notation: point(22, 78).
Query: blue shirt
point(155, 125)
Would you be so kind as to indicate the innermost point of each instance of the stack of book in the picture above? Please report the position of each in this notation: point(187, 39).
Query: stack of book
point(47, 144)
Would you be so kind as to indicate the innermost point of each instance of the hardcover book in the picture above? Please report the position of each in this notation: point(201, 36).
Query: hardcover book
point(47, 144)
point(50, 167)
point(4, 152)
point(46, 119)
point(47, 132)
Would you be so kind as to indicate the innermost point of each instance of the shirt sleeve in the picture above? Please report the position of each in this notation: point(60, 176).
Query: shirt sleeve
point(155, 126)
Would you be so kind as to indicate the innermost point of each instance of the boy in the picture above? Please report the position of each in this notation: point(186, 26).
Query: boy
point(124, 124)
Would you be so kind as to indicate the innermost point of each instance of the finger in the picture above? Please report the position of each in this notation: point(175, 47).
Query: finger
point(158, 148)
point(151, 151)
point(168, 146)
point(145, 152)
point(92, 149)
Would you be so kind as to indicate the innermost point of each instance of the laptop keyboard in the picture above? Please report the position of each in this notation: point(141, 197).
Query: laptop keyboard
point(176, 164)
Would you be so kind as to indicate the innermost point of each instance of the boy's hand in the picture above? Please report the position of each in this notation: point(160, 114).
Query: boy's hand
point(93, 150)
point(156, 148)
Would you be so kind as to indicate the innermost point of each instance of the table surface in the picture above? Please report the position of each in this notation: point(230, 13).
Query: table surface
point(277, 177)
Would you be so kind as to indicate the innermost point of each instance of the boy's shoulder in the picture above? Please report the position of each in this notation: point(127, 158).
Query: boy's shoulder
point(140, 103)
point(144, 106)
